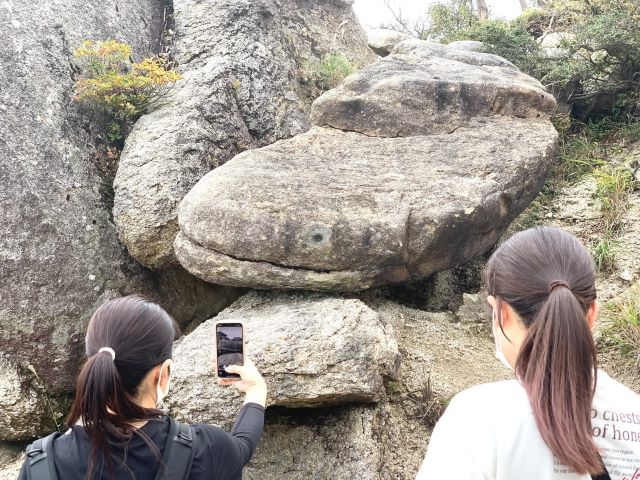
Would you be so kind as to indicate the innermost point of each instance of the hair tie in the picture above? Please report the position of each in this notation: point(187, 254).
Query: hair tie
point(558, 283)
point(109, 351)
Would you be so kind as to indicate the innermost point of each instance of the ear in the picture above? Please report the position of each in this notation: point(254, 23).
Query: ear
point(155, 374)
point(491, 300)
point(508, 315)
point(592, 313)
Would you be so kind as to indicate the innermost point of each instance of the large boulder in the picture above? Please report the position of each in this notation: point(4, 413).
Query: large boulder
point(424, 88)
point(382, 40)
point(59, 249)
point(333, 210)
point(313, 350)
point(242, 88)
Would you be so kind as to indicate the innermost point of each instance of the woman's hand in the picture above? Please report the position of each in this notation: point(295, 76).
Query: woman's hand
point(250, 383)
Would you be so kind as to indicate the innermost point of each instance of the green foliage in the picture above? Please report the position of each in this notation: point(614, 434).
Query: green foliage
point(451, 21)
point(456, 20)
point(602, 44)
point(621, 331)
point(604, 255)
point(512, 41)
point(326, 74)
point(614, 185)
point(536, 21)
point(117, 88)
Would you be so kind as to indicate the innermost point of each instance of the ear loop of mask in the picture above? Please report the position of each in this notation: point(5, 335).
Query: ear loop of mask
point(159, 393)
point(499, 353)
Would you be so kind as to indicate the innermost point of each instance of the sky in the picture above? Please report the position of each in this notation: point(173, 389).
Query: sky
point(373, 13)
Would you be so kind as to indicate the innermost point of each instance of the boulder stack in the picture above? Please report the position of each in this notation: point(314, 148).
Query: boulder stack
point(418, 163)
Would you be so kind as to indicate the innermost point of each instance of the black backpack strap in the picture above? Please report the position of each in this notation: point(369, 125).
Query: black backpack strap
point(178, 452)
point(40, 465)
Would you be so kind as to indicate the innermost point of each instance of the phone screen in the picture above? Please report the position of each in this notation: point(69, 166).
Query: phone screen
point(230, 347)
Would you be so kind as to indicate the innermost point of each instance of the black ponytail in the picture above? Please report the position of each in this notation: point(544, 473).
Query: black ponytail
point(140, 334)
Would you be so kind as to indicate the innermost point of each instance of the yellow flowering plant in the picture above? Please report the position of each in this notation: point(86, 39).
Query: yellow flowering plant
point(114, 85)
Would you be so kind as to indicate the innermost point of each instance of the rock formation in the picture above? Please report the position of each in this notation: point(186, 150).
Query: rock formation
point(425, 89)
point(374, 441)
point(432, 153)
point(382, 40)
point(416, 164)
point(25, 411)
point(472, 45)
point(312, 350)
point(243, 65)
point(59, 250)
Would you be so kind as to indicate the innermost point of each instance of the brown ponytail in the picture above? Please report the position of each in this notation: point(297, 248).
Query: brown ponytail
point(548, 278)
point(141, 335)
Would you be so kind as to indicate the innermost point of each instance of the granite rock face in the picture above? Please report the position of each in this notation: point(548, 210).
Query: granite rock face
point(11, 458)
point(472, 45)
point(342, 211)
point(24, 409)
point(313, 350)
point(59, 249)
point(386, 440)
point(242, 88)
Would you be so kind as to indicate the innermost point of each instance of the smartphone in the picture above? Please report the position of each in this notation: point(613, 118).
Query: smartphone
point(229, 347)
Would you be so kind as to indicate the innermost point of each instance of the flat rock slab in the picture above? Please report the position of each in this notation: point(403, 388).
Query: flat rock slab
point(313, 350)
point(333, 210)
point(424, 88)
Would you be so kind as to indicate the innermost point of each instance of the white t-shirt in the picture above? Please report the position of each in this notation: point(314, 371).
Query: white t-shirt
point(488, 432)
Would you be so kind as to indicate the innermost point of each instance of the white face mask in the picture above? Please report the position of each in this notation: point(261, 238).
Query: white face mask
point(159, 393)
point(499, 353)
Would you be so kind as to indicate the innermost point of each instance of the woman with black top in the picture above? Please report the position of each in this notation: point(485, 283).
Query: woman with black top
point(117, 431)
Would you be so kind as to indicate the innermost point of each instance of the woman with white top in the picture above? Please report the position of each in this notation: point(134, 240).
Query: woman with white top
point(561, 418)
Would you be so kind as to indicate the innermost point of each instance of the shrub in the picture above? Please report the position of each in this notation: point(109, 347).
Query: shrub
point(604, 255)
point(603, 47)
point(621, 328)
point(449, 22)
point(117, 88)
point(614, 185)
point(327, 73)
point(456, 20)
point(512, 41)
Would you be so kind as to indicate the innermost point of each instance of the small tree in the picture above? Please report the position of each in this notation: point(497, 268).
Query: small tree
point(451, 21)
point(120, 90)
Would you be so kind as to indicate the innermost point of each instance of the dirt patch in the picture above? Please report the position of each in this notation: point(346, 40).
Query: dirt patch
point(440, 357)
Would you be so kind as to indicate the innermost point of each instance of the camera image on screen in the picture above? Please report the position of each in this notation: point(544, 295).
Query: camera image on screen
point(230, 345)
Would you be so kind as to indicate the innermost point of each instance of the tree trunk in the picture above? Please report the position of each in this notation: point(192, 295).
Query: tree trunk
point(523, 5)
point(483, 11)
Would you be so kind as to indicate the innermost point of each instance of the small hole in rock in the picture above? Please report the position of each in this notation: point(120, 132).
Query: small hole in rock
point(317, 237)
